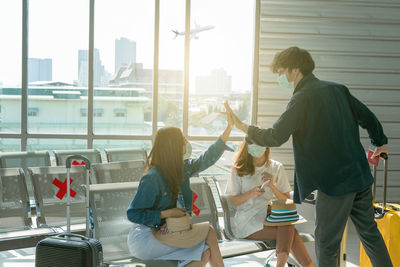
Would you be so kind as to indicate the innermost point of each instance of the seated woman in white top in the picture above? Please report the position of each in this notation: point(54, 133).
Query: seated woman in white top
point(252, 167)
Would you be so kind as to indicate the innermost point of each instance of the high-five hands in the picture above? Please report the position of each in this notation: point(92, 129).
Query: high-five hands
point(238, 123)
point(229, 117)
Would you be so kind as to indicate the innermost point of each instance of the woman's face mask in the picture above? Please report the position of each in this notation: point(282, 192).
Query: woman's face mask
point(256, 151)
point(284, 83)
point(188, 152)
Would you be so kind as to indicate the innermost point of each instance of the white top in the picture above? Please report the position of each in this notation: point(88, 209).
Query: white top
point(250, 215)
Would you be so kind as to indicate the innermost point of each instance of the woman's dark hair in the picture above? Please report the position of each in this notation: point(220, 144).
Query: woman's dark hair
point(244, 161)
point(293, 58)
point(167, 154)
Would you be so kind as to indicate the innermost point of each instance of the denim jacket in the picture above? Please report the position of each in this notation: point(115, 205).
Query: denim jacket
point(153, 196)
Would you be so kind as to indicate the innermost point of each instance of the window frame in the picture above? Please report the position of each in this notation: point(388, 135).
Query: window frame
point(90, 136)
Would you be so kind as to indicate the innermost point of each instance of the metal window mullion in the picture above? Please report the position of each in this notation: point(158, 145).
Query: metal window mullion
point(256, 54)
point(155, 67)
point(213, 138)
point(186, 71)
point(24, 78)
point(90, 82)
point(77, 136)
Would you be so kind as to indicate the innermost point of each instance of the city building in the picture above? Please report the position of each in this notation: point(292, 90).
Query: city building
point(100, 76)
point(40, 69)
point(217, 82)
point(125, 53)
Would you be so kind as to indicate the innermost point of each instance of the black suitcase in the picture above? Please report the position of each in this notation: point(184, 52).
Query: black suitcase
point(66, 249)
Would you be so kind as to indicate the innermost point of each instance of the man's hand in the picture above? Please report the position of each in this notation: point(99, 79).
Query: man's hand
point(379, 150)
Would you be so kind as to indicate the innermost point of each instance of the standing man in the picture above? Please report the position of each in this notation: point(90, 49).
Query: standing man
point(324, 118)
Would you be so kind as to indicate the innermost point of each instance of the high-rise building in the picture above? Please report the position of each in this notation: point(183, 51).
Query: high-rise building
point(125, 53)
point(40, 69)
point(218, 82)
point(83, 70)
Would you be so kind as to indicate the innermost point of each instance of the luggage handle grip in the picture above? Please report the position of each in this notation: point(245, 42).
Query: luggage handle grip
point(384, 156)
point(72, 235)
point(85, 159)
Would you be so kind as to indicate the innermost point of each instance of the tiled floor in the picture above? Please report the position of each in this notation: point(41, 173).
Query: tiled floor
point(26, 257)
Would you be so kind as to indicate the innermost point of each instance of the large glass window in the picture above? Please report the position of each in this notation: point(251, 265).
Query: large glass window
point(142, 144)
point(57, 110)
point(10, 145)
point(123, 66)
point(171, 63)
point(221, 61)
point(55, 144)
point(58, 39)
point(10, 66)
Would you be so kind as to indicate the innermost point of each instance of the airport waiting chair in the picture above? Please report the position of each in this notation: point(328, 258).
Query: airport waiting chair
point(50, 209)
point(111, 227)
point(213, 192)
point(125, 154)
point(203, 203)
point(93, 155)
point(226, 213)
point(25, 160)
point(121, 171)
point(16, 229)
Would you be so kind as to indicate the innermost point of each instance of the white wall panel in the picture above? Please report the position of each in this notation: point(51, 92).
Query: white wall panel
point(356, 43)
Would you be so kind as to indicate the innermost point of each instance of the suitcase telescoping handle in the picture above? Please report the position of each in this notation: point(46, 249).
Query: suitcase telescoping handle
point(85, 159)
point(87, 166)
point(73, 235)
point(385, 158)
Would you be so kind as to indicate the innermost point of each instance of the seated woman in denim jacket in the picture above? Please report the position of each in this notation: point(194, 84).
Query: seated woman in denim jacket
point(165, 183)
point(251, 169)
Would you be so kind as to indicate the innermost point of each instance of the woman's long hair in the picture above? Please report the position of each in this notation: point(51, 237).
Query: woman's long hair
point(167, 154)
point(244, 161)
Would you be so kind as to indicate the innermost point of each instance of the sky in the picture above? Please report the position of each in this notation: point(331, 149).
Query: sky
point(58, 29)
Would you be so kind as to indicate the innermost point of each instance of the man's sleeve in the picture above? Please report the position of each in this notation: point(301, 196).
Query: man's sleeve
point(285, 126)
point(367, 120)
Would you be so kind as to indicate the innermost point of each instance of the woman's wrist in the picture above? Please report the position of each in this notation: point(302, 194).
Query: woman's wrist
point(164, 214)
point(226, 133)
point(249, 194)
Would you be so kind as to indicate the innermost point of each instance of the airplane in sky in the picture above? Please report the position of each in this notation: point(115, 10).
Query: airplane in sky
point(195, 31)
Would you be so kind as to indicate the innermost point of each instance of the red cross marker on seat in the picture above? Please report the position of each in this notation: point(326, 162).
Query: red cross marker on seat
point(63, 188)
point(195, 209)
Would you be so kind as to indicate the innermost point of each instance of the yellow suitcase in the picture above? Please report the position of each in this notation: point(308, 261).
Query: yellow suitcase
point(388, 224)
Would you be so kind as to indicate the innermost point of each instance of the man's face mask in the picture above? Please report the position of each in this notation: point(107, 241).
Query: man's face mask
point(284, 83)
point(256, 151)
point(188, 151)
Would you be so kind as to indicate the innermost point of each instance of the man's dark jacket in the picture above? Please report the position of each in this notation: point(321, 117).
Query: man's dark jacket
point(323, 118)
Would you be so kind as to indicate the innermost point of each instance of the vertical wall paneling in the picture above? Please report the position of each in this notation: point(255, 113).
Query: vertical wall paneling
point(356, 43)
